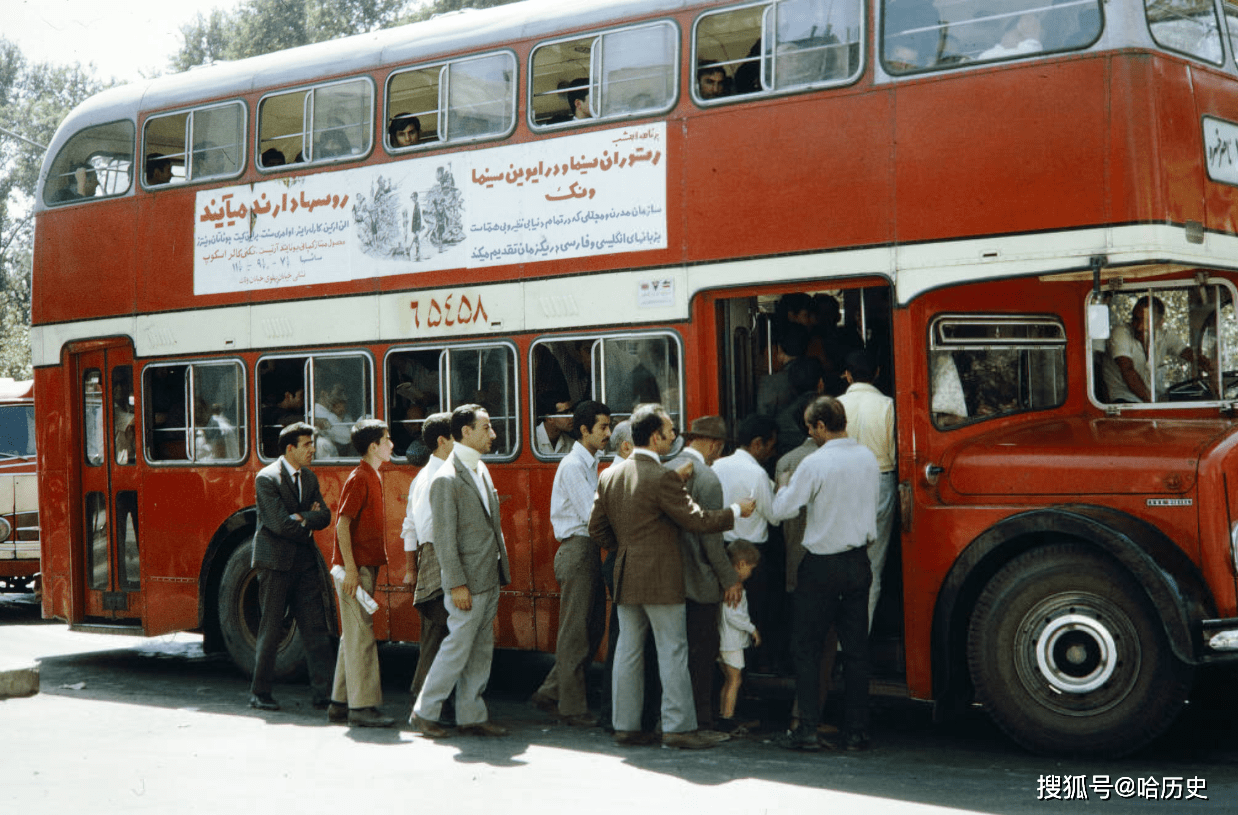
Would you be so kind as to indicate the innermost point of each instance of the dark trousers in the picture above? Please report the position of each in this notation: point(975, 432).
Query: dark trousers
point(299, 589)
point(433, 631)
point(702, 658)
point(767, 603)
point(832, 590)
point(582, 622)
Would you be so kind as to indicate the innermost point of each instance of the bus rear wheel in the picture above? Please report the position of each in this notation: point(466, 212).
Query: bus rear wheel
point(1068, 657)
point(239, 615)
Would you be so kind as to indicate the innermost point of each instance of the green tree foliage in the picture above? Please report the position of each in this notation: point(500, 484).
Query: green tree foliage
point(34, 99)
point(262, 26)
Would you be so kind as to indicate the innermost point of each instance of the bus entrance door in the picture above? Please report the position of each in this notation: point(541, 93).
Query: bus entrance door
point(108, 475)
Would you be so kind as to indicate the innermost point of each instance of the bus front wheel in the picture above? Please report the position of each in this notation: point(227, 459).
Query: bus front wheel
point(239, 615)
point(1068, 656)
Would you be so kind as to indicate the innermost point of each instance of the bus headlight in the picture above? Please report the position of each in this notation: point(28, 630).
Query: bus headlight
point(6, 529)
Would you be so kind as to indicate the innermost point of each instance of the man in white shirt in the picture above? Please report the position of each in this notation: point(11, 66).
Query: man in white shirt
point(421, 570)
point(839, 485)
point(578, 568)
point(1126, 367)
point(870, 421)
point(743, 476)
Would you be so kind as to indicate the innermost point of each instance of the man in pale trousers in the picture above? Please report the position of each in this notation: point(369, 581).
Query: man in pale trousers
point(468, 539)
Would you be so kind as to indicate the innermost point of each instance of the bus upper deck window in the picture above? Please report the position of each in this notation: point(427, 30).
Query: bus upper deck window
point(95, 163)
point(463, 100)
point(327, 123)
point(628, 72)
point(1186, 26)
point(922, 34)
point(1231, 24)
point(781, 46)
point(194, 145)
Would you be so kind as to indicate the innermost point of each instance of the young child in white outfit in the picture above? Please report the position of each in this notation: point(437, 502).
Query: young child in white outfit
point(736, 632)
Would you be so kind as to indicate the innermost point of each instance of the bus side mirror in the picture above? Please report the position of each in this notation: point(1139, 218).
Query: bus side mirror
point(1098, 322)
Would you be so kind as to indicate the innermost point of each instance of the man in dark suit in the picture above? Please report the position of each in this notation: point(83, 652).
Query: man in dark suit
point(290, 508)
point(709, 577)
point(468, 539)
point(640, 508)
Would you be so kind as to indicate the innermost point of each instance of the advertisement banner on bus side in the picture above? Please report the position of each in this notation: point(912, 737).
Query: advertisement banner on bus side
point(594, 193)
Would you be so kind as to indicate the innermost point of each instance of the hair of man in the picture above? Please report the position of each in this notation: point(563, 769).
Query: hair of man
point(291, 435)
point(586, 416)
point(742, 551)
point(462, 417)
point(366, 432)
point(805, 373)
point(398, 123)
point(646, 420)
point(619, 435)
point(793, 339)
point(755, 426)
point(579, 92)
point(435, 427)
point(1158, 305)
point(862, 366)
point(828, 411)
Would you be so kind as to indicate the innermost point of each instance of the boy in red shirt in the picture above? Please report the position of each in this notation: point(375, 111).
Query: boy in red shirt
point(361, 551)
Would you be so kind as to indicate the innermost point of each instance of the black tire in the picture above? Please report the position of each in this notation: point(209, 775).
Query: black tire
point(1068, 656)
point(239, 615)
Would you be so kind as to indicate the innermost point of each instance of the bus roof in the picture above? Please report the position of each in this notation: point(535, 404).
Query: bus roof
point(460, 31)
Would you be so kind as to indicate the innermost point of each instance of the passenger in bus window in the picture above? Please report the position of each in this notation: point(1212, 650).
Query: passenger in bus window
point(578, 99)
point(712, 81)
point(1126, 363)
point(748, 74)
point(158, 169)
point(283, 402)
point(333, 421)
point(82, 184)
point(553, 434)
point(271, 157)
point(948, 403)
point(1022, 36)
point(913, 34)
point(404, 130)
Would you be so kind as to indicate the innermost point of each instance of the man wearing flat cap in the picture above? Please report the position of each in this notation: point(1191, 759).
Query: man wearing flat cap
point(708, 576)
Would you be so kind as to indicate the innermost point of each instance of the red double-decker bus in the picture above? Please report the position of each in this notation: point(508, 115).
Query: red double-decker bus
point(994, 193)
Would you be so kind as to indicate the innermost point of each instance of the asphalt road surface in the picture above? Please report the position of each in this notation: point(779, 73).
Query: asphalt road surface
point(132, 725)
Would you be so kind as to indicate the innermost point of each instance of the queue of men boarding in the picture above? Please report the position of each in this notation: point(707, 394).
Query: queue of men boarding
point(681, 546)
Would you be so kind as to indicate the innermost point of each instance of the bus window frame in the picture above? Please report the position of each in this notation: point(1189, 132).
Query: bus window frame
point(967, 62)
point(1231, 30)
point(190, 429)
point(1222, 36)
point(187, 154)
point(47, 202)
point(766, 5)
point(594, 84)
point(444, 393)
point(1135, 288)
point(678, 410)
point(307, 413)
point(444, 104)
point(937, 344)
point(308, 105)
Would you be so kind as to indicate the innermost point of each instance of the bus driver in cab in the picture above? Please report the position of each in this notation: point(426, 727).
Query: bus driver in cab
point(1126, 362)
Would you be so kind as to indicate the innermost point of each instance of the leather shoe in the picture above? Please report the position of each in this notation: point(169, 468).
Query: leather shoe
point(263, 702)
point(856, 742)
point(580, 720)
point(692, 740)
point(634, 738)
point(544, 703)
point(716, 736)
point(427, 728)
point(800, 739)
point(486, 728)
point(368, 717)
point(337, 713)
